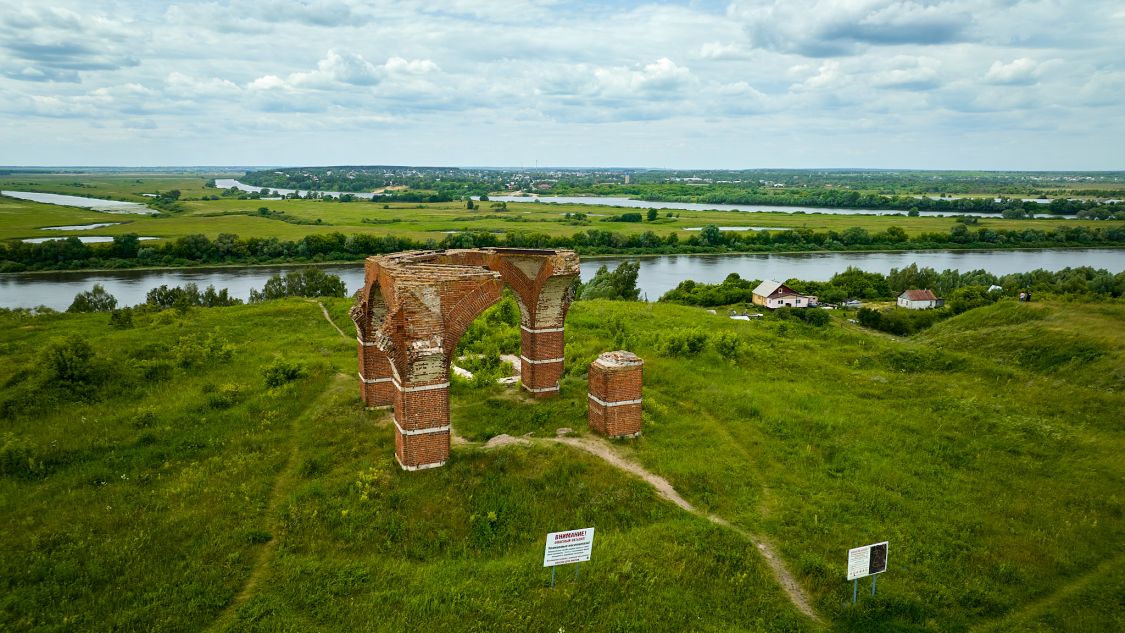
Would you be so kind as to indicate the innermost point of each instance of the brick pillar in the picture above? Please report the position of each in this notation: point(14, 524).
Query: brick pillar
point(422, 425)
point(376, 386)
point(615, 394)
point(541, 360)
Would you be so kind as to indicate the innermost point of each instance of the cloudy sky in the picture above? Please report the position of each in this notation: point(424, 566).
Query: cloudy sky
point(963, 84)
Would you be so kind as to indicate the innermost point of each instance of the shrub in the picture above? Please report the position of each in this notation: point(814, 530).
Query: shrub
point(156, 370)
point(144, 418)
point(72, 360)
point(225, 397)
point(728, 344)
point(17, 458)
point(189, 352)
point(281, 371)
point(812, 316)
point(121, 319)
point(689, 342)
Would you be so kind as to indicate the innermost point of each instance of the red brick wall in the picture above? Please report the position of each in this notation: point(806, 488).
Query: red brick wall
point(611, 387)
point(374, 364)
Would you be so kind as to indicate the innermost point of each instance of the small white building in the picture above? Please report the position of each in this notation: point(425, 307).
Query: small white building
point(774, 294)
point(919, 300)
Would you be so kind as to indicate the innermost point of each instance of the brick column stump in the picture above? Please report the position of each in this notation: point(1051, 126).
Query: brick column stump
point(615, 394)
point(541, 360)
point(422, 431)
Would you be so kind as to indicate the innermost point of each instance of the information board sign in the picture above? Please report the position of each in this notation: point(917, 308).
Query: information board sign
point(867, 560)
point(564, 548)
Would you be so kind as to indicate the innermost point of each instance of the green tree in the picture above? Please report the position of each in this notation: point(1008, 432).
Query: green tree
point(617, 284)
point(711, 236)
point(651, 215)
point(94, 300)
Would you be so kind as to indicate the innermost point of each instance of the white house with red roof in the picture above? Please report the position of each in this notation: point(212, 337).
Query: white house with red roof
point(919, 300)
point(774, 294)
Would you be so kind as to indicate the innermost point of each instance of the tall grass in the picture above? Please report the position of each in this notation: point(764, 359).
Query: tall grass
point(164, 485)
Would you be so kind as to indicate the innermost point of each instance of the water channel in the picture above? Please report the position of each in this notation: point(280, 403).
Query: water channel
point(657, 274)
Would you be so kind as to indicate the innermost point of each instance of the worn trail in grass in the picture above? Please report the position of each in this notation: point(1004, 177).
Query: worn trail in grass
point(665, 490)
point(282, 485)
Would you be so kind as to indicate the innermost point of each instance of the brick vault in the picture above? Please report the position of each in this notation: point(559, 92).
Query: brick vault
point(414, 307)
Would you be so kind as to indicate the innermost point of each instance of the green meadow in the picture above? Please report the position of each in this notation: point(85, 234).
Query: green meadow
point(214, 469)
point(420, 221)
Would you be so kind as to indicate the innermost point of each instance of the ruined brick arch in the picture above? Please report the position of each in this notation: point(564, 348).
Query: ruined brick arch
point(414, 308)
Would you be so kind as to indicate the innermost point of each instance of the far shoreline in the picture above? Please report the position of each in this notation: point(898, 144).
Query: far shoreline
point(599, 256)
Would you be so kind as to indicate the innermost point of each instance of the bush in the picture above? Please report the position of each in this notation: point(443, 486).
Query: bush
point(121, 319)
point(728, 344)
point(94, 300)
point(225, 397)
point(683, 343)
point(812, 316)
point(18, 459)
point(281, 371)
point(190, 352)
point(72, 360)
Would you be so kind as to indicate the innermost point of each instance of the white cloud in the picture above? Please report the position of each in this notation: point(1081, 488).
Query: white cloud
point(588, 84)
point(662, 75)
point(722, 52)
point(1021, 71)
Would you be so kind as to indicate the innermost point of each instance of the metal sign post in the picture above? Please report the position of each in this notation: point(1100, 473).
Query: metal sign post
point(564, 548)
point(869, 560)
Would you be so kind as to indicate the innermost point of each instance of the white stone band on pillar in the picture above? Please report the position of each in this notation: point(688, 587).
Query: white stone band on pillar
point(418, 467)
point(433, 429)
point(539, 389)
point(546, 330)
point(372, 381)
point(399, 386)
point(619, 403)
point(545, 361)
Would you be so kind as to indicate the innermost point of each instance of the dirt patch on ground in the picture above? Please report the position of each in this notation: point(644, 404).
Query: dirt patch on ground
point(504, 440)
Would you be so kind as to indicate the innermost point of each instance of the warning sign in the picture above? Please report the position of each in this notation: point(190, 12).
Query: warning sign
point(867, 560)
point(564, 548)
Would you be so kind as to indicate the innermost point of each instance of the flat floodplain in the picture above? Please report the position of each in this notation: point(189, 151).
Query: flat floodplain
point(418, 221)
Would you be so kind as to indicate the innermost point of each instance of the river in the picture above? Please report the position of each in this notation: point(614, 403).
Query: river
point(657, 275)
point(94, 204)
point(629, 203)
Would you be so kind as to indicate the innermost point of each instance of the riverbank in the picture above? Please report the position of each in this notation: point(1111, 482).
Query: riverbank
point(657, 275)
point(584, 256)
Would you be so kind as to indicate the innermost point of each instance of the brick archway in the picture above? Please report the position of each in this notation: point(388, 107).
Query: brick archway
point(414, 308)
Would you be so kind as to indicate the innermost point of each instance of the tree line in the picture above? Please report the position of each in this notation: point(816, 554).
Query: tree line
point(127, 251)
point(854, 283)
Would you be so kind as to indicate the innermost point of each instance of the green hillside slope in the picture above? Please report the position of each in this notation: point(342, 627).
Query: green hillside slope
point(152, 479)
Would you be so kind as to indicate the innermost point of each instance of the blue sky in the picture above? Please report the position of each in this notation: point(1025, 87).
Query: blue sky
point(942, 84)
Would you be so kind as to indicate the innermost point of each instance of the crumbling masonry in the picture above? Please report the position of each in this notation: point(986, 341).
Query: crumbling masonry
point(415, 306)
point(615, 394)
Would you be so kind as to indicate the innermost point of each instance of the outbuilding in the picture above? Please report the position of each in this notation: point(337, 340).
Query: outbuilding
point(774, 294)
point(919, 300)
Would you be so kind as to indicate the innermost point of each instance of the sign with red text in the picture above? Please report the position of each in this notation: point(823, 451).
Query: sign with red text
point(564, 548)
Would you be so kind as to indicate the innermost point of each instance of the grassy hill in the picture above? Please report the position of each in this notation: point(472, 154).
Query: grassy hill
point(152, 479)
